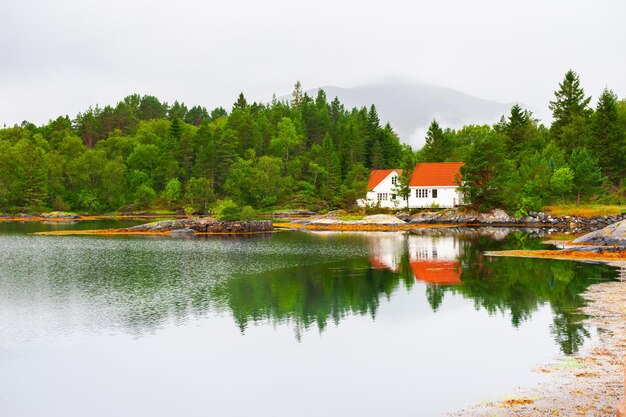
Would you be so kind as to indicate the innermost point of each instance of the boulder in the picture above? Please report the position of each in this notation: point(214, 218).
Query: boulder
point(612, 235)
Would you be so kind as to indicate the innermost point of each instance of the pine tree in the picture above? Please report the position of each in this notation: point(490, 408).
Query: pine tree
point(297, 95)
point(176, 129)
point(571, 113)
point(608, 139)
point(518, 128)
point(332, 166)
point(437, 147)
point(241, 102)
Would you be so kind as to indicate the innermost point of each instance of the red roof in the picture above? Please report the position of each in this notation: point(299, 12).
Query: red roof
point(377, 175)
point(437, 272)
point(431, 174)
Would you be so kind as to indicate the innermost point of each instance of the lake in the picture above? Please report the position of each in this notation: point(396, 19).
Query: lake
point(285, 324)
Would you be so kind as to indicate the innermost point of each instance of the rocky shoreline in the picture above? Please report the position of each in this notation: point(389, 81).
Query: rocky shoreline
point(178, 227)
point(457, 217)
point(201, 226)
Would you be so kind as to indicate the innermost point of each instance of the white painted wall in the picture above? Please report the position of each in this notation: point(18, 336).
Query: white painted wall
point(447, 197)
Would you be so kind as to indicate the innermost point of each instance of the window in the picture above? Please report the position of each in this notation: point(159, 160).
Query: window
point(393, 196)
point(382, 196)
point(394, 180)
point(434, 193)
point(421, 193)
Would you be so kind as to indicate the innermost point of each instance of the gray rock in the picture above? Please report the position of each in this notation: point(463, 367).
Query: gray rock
point(185, 231)
point(613, 234)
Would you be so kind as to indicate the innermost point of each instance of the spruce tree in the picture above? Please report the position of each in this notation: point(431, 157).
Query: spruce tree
point(571, 113)
point(608, 137)
point(331, 164)
point(437, 147)
point(297, 95)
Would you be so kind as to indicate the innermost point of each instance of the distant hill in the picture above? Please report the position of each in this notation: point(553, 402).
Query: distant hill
point(411, 107)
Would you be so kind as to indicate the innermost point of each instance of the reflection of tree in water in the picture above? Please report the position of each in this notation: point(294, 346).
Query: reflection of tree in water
point(315, 294)
point(308, 295)
point(520, 285)
point(144, 289)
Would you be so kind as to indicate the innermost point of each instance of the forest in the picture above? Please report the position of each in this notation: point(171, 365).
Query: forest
point(307, 152)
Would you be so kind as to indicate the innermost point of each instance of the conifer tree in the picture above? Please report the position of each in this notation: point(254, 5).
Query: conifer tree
point(241, 102)
point(332, 166)
point(437, 147)
point(608, 141)
point(571, 113)
point(297, 95)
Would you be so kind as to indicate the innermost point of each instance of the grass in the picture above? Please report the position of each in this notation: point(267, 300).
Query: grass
point(585, 210)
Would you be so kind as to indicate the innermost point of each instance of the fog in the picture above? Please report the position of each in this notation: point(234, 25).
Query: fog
point(61, 57)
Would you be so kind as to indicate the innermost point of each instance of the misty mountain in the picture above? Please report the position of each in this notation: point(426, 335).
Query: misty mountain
point(410, 108)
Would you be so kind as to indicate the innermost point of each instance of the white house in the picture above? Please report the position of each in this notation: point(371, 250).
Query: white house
point(432, 184)
point(435, 184)
point(381, 189)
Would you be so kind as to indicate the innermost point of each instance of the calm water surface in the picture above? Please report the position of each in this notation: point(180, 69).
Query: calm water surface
point(289, 324)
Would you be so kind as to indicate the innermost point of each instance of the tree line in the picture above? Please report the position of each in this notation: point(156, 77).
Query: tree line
point(522, 165)
point(142, 153)
point(305, 152)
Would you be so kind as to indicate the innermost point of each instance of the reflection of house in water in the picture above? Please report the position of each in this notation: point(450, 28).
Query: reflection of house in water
point(434, 259)
point(386, 249)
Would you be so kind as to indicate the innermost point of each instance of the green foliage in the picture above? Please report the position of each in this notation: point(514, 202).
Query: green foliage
point(199, 194)
point(562, 181)
point(438, 146)
point(587, 173)
point(227, 210)
point(309, 153)
point(570, 110)
point(485, 173)
point(172, 191)
point(247, 213)
point(145, 196)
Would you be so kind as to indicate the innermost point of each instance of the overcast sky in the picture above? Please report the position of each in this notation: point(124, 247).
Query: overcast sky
point(59, 57)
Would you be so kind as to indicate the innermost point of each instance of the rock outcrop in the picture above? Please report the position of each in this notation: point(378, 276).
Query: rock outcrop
point(612, 235)
point(194, 226)
point(498, 217)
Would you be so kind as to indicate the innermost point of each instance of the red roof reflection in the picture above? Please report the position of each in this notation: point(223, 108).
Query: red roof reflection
point(437, 272)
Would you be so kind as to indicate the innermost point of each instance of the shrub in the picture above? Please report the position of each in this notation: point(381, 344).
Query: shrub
point(144, 196)
point(227, 210)
point(248, 213)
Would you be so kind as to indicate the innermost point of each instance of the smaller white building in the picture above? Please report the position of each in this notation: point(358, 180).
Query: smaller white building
point(382, 190)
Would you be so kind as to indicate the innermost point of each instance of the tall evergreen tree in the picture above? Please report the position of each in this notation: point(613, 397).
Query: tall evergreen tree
point(332, 167)
point(571, 112)
point(438, 146)
point(297, 95)
point(608, 141)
